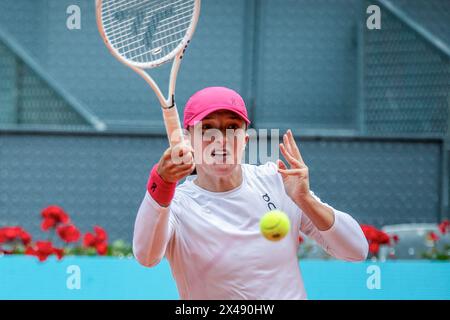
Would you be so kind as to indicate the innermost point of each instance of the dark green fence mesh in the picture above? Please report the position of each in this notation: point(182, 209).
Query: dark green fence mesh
point(27, 99)
point(406, 81)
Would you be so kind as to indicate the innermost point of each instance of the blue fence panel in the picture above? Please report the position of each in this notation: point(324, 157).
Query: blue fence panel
point(79, 60)
point(8, 76)
point(406, 81)
point(26, 98)
point(100, 179)
point(306, 67)
point(433, 15)
point(307, 73)
point(24, 20)
point(377, 181)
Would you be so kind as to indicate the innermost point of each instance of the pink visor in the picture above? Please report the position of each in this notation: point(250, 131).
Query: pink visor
point(212, 99)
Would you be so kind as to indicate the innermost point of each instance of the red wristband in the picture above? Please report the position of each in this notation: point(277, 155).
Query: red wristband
point(160, 190)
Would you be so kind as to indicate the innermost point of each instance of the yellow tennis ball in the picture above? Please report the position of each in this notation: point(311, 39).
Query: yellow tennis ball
point(274, 225)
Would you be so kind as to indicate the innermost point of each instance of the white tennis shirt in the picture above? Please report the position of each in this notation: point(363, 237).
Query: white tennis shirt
point(214, 246)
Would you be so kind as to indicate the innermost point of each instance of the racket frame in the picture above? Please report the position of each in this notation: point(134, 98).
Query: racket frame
point(169, 108)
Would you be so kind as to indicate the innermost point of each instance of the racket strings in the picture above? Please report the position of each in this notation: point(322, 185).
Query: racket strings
point(129, 8)
point(132, 5)
point(143, 31)
point(165, 27)
point(151, 39)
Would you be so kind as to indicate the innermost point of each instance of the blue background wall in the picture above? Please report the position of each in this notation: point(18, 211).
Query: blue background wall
point(103, 278)
point(101, 179)
point(304, 74)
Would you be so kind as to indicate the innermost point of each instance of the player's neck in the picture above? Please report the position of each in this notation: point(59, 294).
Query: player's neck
point(219, 184)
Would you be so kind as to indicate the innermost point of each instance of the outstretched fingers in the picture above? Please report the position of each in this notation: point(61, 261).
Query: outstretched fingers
point(293, 162)
point(293, 146)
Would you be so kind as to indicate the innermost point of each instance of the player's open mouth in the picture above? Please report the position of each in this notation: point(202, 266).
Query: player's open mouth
point(220, 153)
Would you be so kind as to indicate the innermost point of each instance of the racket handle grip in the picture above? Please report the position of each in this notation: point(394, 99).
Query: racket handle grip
point(173, 126)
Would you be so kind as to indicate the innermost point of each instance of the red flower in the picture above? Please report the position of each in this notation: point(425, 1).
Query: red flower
point(433, 236)
point(102, 248)
point(376, 238)
point(89, 240)
point(383, 238)
point(100, 233)
point(374, 235)
point(370, 232)
point(43, 249)
point(444, 226)
point(395, 238)
point(47, 224)
point(29, 251)
point(97, 240)
point(374, 247)
point(53, 215)
point(26, 238)
point(300, 239)
point(59, 252)
point(10, 234)
point(68, 233)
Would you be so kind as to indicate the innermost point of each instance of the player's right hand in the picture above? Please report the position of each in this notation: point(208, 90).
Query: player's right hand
point(176, 163)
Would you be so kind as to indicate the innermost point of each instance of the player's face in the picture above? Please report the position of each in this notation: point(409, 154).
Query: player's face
point(223, 138)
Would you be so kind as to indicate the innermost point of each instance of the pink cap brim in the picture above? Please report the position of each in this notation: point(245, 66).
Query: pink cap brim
point(212, 109)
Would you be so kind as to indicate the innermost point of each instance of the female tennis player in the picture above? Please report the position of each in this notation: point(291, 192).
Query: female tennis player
point(208, 226)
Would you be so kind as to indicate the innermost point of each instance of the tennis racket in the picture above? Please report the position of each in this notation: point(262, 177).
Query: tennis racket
point(144, 34)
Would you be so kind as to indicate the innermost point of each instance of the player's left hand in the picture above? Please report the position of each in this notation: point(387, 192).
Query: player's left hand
point(295, 178)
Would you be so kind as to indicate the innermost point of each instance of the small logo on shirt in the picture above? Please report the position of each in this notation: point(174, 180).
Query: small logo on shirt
point(270, 204)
